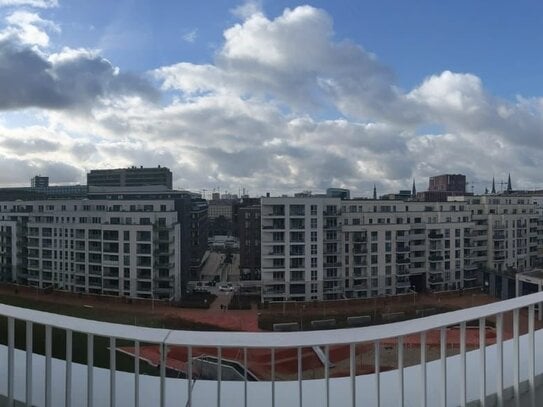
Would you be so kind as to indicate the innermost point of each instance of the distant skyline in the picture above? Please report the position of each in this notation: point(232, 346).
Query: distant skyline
point(277, 96)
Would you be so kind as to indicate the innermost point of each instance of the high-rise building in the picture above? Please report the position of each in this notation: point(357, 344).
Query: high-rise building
point(130, 177)
point(249, 241)
point(39, 182)
point(199, 233)
point(448, 183)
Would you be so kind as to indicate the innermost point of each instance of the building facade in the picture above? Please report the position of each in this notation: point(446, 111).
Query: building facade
point(130, 177)
point(249, 242)
point(317, 248)
point(115, 241)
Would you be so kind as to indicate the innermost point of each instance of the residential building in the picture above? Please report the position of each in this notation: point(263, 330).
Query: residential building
point(249, 242)
point(338, 193)
point(128, 241)
point(130, 177)
point(199, 232)
point(39, 182)
point(506, 239)
point(440, 187)
point(317, 247)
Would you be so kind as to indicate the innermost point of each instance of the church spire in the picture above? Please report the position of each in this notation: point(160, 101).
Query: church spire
point(493, 186)
point(509, 186)
point(374, 192)
point(414, 190)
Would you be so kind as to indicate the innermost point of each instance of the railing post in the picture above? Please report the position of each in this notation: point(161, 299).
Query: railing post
point(68, 378)
point(90, 369)
point(48, 367)
point(327, 373)
point(423, 392)
point(163, 361)
point(443, 352)
point(531, 353)
point(189, 376)
point(245, 377)
point(482, 362)
point(11, 360)
point(300, 377)
point(29, 347)
point(219, 376)
point(463, 372)
point(516, 354)
point(499, 367)
point(112, 371)
point(273, 376)
point(352, 362)
point(136, 374)
point(377, 368)
point(400, 371)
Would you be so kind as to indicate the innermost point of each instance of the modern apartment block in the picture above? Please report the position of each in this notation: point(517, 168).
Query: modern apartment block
point(130, 177)
point(249, 241)
point(39, 182)
point(448, 183)
point(506, 238)
point(133, 242)
point(317, 248)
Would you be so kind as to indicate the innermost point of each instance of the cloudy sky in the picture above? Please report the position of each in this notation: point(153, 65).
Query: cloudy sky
point(276, 96)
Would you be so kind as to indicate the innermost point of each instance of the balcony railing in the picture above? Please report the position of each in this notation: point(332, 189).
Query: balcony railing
point(480, 373)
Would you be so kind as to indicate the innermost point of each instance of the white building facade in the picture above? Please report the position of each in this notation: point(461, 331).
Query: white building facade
point(114, 247)
point(316, 248)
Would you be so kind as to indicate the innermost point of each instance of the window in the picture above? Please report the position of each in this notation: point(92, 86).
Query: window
point(313, 236)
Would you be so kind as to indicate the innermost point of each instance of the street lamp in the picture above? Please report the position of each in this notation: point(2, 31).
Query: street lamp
point(412, 289)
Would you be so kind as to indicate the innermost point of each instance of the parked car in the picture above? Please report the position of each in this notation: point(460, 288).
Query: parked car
point(226, 287)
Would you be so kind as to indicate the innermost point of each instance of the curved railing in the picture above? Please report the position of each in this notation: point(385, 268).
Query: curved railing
point(491, 364)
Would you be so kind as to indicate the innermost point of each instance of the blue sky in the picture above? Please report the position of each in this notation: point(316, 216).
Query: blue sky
point(273, 95)
point(497, 41)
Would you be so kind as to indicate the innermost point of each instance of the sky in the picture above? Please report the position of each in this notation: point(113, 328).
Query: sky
point(273, 96)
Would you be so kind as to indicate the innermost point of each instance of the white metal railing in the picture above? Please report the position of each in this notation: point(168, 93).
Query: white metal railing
point(449, 380)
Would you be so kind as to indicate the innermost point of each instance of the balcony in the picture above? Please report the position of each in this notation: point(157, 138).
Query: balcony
point(500, 369)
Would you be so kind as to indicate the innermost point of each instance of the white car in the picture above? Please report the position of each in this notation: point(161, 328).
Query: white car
point(226, 287)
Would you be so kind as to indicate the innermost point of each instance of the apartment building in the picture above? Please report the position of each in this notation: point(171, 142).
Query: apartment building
point(130, 177)
point(506, 239)
point(249, 241)
point(295, 233)
point(133, 242)
point(317, 248)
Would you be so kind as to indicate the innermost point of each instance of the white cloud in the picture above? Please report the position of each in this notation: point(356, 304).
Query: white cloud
point(284, 106)
point(28, 28)
point(247, 9)
point(29, 3)
point(190, 36)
